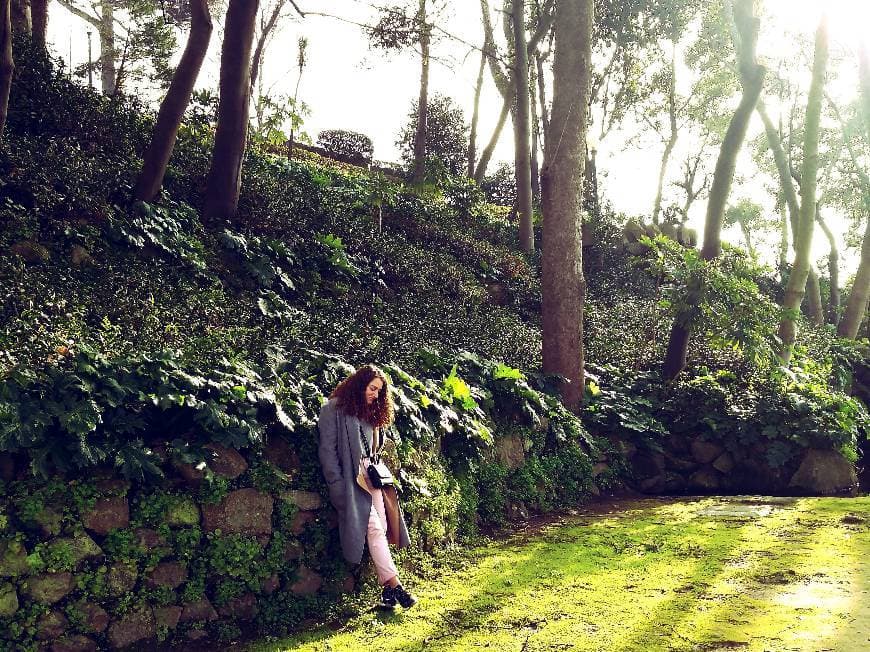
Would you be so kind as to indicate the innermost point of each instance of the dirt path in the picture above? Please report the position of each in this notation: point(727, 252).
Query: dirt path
point(739, 573)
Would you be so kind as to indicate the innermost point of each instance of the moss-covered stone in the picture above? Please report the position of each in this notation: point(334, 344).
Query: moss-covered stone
point(79, 547)
point(121, 578)
point(49, 588)
point(8, 600)
point(183, 512)
point(13, 559)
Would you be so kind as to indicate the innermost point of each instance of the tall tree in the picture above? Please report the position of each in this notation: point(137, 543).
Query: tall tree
point(175, 103)
point(7, 65)
point(562, 283)
point(21, 18)
point(475, 114)
point(752, 80)
point(419, 169)
point(856, 305)
point(39, 20)
point(522, 154)
point(225, 174)
point(136, 39)
point(504, 81)
point(397, 30)
point(797, 280)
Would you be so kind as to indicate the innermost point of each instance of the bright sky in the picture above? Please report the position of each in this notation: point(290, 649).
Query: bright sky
point(349, 86)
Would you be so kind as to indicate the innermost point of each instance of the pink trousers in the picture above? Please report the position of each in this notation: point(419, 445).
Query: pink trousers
point(376, 536)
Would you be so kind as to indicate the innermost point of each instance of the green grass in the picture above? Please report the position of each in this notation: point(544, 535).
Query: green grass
point(709, 574)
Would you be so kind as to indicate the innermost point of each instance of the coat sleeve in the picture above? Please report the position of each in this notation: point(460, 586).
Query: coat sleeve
point(327, 450)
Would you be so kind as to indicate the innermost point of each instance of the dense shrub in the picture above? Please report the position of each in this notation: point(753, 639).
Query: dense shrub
point(446, 135)
point(346, 144)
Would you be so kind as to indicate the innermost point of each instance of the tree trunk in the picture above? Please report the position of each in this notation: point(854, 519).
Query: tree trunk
point(267, 28)
point(797, 280)
point(106, 31)
point(21, 17)
point(419, 172)
point(7, 65)
point(536, 130)
point(522, 160)
point(39, 18)
point(475, 115)
point(723, 175)
point(486, 154)
point(812, 302)
point(783, 241)
point(752, 80)
point(833, 311)
point(562, 283)
point(542, 94)
point(175, 103)
point(856, 305)
point(672, 140)
point(225, 175)
point(747, 236)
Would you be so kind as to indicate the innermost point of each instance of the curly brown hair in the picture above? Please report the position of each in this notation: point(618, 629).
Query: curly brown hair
point(350, 395)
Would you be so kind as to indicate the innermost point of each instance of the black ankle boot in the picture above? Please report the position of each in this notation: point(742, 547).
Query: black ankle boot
point(404, 598)
point(388, 599)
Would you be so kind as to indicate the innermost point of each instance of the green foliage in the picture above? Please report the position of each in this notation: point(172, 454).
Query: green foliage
point(88, 410)
point(345, 144)
point(446, 135)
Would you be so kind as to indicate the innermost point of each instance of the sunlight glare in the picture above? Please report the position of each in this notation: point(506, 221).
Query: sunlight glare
point(847, 19)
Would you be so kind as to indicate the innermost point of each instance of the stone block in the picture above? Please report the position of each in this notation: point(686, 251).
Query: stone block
point(8, 600)
point(13, 559)
point(304, 500)
point(49, 587)
point(225, 461)
point(244, 511)
point(134, 627)
point(107, 514)
point(170, 573)
point(51, 625)
point(704, 452)
point(825, 473)
point(307, 582)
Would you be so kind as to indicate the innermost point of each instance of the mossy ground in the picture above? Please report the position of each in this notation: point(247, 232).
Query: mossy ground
point(694, 574)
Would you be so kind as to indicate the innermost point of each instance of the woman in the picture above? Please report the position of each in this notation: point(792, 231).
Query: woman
point(351, 427)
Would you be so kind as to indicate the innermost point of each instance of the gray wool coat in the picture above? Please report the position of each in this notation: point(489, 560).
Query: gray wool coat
point(340, 451)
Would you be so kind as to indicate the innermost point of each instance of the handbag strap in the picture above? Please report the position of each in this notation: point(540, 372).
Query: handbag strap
point(365, 443)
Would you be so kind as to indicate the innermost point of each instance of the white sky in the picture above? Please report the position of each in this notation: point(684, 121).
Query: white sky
point(349, 86)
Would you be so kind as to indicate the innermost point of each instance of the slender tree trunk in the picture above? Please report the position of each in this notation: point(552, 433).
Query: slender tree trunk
point(265, 32)
point(812, 301)
point(752, 80)
point(522, 160)
point(833, 311)
point(475, 115)
point(7, 65)
point(419, 171)
point(856, 305)
point(542, 94)
point(562, 283)
point(39, 16)
point(536, 130)
point(797, 280)
point(486, 154)
point(175, 103)
point(783, 241)
point(723, 175)
point(672, 140)
point(21, 17)
point(747, 237)
point(106, 31)
point(225, 175)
